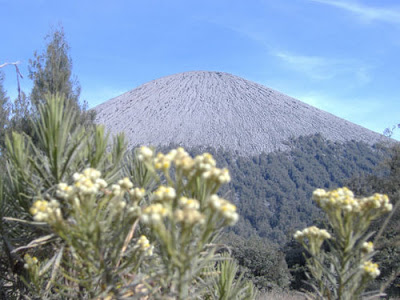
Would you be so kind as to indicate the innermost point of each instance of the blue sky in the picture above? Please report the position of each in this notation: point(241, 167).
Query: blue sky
point(342, 56)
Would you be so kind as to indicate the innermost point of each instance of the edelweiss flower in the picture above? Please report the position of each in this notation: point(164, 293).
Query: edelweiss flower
point(145, 153)
point(225, 208)
point(154, 213)
point(371, 269)
point(45, 211)
point(144, 245)
point(367, 247)
point(164, 193)
point(125, 183)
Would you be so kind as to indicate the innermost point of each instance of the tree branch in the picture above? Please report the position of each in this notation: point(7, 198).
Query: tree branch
point(10, 63)
point(19, 75)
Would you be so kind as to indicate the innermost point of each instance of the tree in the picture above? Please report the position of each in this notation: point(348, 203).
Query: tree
point(4, 110)
point(21, 112)
point(51, 72)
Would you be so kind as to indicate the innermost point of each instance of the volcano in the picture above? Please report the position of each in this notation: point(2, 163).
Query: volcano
point(202, 108)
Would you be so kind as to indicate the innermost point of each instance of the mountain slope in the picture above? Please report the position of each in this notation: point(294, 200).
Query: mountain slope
point(217, 109)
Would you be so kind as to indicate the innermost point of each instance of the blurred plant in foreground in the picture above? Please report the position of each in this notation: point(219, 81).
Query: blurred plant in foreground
point(93, 235)
point(344, 270)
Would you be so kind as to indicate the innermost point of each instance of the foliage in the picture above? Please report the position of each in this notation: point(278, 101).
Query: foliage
point(33, 169)
point(51, 72)
point(82, 232)
point(227, 285)
point(282, 183)
point(273, 190)
point(21, 113)
point(4, 110)
point(385, 180)
point(345, 270)
point(260, 261)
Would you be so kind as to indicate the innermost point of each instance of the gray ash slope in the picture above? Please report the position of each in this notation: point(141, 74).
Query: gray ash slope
point(218, 109)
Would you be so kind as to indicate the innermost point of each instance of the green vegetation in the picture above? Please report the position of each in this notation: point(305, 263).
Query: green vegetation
point(273, 191)
point(4, 110)
point(79, 231)
point(51, 72)
point(154, 225)
point(273, 194)
point(345, 269)
point(385, 180)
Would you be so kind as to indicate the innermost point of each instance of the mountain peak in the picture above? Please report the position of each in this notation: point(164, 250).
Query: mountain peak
point(203, 108)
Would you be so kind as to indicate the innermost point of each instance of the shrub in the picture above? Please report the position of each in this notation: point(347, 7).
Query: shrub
point(87, 223)
point(345, 269)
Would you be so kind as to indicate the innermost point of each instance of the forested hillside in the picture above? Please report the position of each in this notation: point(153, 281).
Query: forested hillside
point(273, 195)
point(273, 191)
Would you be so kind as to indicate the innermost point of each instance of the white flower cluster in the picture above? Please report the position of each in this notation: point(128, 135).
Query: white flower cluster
point(137, 194)
point(343, 199)
point(145, 153)
point(367, 247)
point(376, 201)
point(46, 211)
point(116, 190)
point(312, 233)
point(163, 161)
point(223, 207)
point(183, 161)
point(125, 184)
point(154, 213)
point(188, 203)
point(164, 193)
point(219, 175)
point(144, 245)
point(371, 269)
point(89, 183)
point(86, 183)
point(64, 190)
point(188, 212)
point(30, 262)
point(203, 164)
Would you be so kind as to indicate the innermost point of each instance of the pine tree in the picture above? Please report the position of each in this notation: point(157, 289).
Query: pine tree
point(51, 72)
point(4, 110)
point(21, 112)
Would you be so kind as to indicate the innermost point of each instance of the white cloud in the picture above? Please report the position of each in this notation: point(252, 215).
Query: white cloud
point(361, 111)
point(315, 67)
point(324, 68)
point(369, 13)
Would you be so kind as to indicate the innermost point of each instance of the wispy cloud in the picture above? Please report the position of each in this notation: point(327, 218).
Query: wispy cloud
point(315, 67)
point(324, 68)
point(361, 111)
point(369, 13)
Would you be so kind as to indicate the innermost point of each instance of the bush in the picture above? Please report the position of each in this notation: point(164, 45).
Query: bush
point(86, 223)
point(345, 269)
